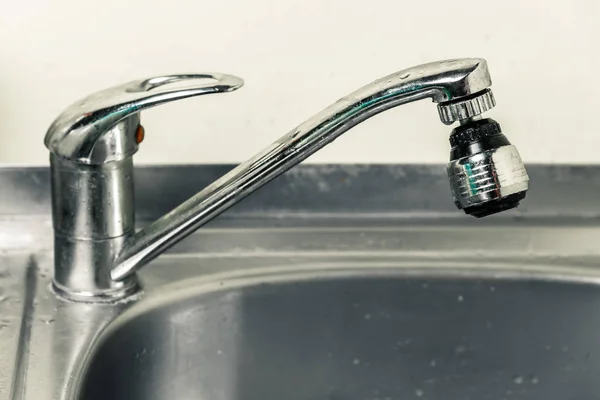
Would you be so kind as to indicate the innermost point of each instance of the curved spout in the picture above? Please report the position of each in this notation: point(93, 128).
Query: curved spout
point(441, 81)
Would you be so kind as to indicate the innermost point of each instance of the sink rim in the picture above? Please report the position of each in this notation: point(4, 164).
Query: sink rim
point(169, 294)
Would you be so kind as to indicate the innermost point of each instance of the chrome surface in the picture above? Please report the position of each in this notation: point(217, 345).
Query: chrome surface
point(489, 175)
point(459, 110)
point(101, 127)
point(91, 147)
point(87, 235)
point(335, 282)
point(76, 135)
point(440, 81)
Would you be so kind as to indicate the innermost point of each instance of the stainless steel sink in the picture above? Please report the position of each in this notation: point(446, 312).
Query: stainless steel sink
point(336, 282)
point(357, 331)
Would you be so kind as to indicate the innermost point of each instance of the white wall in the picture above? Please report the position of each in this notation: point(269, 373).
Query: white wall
point(298, 56)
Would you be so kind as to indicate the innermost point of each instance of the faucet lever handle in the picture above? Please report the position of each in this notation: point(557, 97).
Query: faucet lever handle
point(102, 127)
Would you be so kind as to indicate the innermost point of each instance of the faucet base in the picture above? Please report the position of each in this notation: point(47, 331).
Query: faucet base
point(93, 215)
point(121, 291)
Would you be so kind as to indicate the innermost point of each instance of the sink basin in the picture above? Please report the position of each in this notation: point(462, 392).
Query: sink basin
point(357, 331)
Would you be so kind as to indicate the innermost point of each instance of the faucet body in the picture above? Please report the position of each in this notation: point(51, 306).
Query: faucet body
point(97, 250)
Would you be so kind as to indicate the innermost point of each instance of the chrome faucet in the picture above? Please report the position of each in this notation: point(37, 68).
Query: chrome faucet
point(96, 248)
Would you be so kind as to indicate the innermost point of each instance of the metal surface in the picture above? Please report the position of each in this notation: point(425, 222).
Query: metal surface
point(345, 333)
point(101, 127)
point(459, 110)
point(77, 134)
point(91, 147)
point(440, 81)
point(86, 235)
point(332, 283)
point(486, 176)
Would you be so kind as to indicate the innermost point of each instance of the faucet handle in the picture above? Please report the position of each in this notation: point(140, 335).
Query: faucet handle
point(104, 126)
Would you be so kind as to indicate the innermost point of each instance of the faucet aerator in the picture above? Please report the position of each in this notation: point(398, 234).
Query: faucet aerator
point(486, 173)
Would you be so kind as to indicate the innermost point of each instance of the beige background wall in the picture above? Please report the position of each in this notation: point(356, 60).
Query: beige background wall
point(298, 56)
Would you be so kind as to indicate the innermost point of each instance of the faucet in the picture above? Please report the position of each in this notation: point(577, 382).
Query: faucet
point(96, 248)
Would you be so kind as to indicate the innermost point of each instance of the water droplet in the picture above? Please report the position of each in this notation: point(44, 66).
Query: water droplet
point(433, 363)
point(356, 361)
point(219, 352)
point(3, 299)
point(460, 349)
point(419, 392)
point(425, 285)
point(403, 342)
point(492, 288)
point(518, 379)
point(404, 76)
point(367, 316)
point(534, 379)
point(460, 298)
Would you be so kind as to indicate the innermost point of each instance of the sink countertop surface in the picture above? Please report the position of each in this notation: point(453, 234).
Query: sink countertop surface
point(314, 219)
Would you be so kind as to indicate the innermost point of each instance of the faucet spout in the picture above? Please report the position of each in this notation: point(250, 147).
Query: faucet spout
point(443, 82)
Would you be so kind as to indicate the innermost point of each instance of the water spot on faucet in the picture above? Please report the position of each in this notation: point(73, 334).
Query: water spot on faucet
point(460, 298)
point(518, 379)
point(356, 361)
point(419, 392)
point(404, 76)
